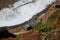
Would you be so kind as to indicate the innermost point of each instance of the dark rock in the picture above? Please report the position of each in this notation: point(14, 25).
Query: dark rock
point(6, 34)
point(57, 6)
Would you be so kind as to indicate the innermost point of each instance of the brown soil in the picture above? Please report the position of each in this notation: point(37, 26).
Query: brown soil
point(29, 36)
point(57, 24)
point(5, 3)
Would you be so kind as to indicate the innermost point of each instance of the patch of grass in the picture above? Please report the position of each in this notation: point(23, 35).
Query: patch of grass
point(45, 27)
point(53, 17)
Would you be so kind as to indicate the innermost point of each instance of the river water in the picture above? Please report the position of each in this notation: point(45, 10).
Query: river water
point(21, 11)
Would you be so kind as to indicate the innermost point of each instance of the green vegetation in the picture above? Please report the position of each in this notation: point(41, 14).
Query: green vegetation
point(45, 28)
point(53, 17)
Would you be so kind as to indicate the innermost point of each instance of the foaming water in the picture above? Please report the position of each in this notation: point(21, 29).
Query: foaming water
point(22, 11)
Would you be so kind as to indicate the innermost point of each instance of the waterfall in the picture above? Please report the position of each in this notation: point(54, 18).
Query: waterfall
point(22, 11)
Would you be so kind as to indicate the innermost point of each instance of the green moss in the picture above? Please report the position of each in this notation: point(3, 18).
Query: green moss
point(45, 27)
point(53, 17)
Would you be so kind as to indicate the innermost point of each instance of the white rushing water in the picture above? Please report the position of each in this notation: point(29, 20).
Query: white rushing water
point(22, 11)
